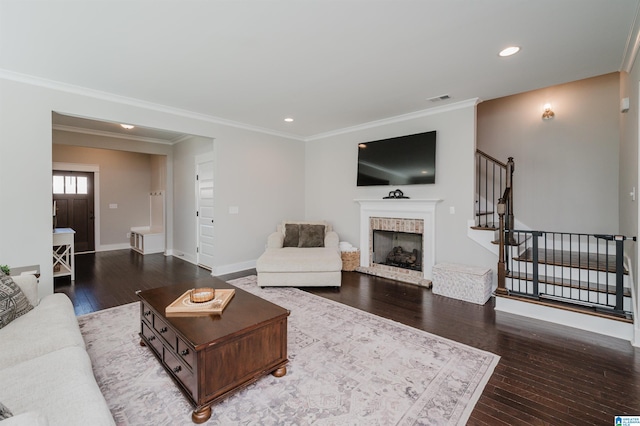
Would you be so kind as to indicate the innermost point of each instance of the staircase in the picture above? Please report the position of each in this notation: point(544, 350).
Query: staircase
point(561, 276)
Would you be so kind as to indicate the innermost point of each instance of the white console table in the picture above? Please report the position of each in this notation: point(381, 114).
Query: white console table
point(63, 253)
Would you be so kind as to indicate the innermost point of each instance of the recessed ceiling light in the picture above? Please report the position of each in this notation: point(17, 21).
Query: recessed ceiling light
point(511, 50)
point(288, 119)
point(127, 126)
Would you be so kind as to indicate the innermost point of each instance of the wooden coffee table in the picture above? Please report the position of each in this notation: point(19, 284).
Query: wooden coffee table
point(212, 356)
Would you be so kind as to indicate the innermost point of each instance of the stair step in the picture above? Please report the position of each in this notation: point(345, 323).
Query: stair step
point(487, 227)
point(484, 213)
point(590, 261)
point(600, 288)
point(626, 317)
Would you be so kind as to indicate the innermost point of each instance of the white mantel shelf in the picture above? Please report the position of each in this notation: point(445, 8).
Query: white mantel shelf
point(405, 208)
point(396, 203)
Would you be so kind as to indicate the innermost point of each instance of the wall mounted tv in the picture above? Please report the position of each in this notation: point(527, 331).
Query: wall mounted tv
point(404, 160)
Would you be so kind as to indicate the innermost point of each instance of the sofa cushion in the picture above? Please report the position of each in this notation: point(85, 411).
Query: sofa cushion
point(13, 302)
point(311, 235)
point(5, 413)
point(291, 235)
point(30, 418)
point(28, 283)
point(49, 326)
point(293, 259)
point(60, 384)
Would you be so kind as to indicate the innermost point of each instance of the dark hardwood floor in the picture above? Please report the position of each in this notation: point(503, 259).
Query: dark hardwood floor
point(547, 374)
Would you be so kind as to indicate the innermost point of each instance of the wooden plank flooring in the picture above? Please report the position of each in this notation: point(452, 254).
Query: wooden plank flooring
point(547, 374)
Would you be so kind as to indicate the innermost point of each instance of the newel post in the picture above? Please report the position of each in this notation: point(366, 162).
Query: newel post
point(510, 217)
point(502, 270)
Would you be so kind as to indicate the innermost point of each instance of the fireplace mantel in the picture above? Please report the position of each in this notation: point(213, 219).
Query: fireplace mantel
point(403, 208)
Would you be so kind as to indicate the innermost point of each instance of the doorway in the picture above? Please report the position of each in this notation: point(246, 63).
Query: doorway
point(204, 211)
point(73, 197)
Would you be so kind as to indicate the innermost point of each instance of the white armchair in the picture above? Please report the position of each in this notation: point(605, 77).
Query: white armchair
point(301, 254)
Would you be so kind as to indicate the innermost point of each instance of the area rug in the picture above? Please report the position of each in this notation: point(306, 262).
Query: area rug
point(346, 367)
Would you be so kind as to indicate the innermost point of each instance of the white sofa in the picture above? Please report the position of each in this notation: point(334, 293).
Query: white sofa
point(285, 263)
point(45, 372)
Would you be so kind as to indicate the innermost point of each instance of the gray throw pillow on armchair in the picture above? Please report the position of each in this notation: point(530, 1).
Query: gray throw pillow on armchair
point(291, 235)
point(311, 235)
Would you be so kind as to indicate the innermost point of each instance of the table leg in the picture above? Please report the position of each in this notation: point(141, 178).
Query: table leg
point(201, 415)
point(280, 372)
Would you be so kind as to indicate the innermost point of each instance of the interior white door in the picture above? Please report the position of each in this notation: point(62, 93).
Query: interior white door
point(204, 188)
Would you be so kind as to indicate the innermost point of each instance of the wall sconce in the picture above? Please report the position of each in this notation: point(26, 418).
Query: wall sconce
point(548, 114)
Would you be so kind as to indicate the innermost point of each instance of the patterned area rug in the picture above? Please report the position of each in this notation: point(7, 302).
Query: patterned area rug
point(346, 367)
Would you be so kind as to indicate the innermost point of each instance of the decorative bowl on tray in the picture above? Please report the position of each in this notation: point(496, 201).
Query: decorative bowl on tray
point(202, 295)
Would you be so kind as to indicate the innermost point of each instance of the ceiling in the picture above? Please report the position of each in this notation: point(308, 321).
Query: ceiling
point(329, 64)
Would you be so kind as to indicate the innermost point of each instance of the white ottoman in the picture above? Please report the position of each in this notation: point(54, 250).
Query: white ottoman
point(469, 283)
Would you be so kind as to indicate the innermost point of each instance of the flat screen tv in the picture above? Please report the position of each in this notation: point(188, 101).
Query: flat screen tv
point(404, 160)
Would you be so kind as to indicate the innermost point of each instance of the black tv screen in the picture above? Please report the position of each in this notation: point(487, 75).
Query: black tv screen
point(404, 160)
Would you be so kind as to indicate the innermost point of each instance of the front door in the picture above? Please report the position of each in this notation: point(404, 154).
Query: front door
point(73, 197)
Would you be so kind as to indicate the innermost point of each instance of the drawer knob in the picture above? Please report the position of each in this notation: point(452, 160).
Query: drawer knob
point(177, 369)
point(147, 313)
point(152, 338)
point(184, 352)
point(163, 330)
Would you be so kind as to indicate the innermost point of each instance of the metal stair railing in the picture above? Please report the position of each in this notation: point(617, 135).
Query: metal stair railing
point(492, 178)
point(586, 270)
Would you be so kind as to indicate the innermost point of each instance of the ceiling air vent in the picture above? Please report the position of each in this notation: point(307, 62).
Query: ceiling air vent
point(439, 98)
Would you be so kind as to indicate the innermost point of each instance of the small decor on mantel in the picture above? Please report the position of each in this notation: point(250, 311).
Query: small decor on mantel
point(395, 195)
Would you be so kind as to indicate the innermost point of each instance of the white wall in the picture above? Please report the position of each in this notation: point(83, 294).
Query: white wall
point(264, 177)
point(566, 169)
point(629, 179)
point(331, 165)
point(250, 171)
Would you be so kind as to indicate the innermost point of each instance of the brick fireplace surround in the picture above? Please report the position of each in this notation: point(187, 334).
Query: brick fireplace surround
point(400, 215)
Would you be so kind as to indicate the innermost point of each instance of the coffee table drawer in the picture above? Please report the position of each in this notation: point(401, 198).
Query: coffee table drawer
point(147, 314)
point(165, 331)
point(152, 338)
point(185, 352)
point(183, 374)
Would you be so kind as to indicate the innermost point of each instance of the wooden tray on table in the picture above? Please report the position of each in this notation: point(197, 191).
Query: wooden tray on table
point(184, 306)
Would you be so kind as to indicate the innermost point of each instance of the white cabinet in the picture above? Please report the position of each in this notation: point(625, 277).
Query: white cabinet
point(146, 240)
point(150, 239)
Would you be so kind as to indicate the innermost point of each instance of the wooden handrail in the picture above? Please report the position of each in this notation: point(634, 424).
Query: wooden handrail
point(488, 157)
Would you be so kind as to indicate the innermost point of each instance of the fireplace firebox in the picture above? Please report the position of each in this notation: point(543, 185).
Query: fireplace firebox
point(398, 249)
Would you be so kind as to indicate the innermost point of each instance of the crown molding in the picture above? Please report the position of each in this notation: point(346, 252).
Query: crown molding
point(97, 94)
point(397, 119)
point(110, 134)
point(633, 44)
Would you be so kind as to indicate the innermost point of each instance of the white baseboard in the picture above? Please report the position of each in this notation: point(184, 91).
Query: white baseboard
point(234, 267)
point(594, 324)
point(182, 255)
point(111, 247)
